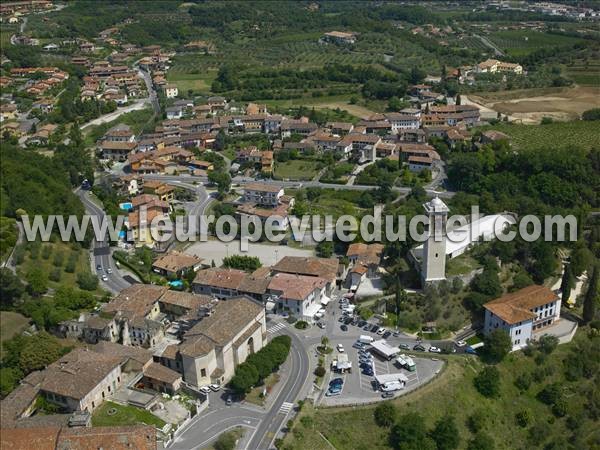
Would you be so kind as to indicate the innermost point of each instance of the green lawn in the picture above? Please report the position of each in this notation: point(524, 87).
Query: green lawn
point(577, 133)
point(522, 42)
point(11, 324)
point(296, 169)
point(125, 415)
point(461, 265)
point(453, 393)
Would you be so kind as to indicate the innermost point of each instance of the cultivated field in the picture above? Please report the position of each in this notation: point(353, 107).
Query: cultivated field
point(529, 106)
point(522, 42)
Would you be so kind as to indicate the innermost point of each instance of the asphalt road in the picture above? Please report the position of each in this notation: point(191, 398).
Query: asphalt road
point(150, 88)
point(263, 425)
point(295, 184)
point(274, 420)
point(101, 250)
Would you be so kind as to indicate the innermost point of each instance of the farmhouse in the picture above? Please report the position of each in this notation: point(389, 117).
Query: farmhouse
point(340, 37)
point(494, 66)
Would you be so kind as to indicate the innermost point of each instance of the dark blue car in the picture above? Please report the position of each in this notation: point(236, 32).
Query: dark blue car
point(470, 350)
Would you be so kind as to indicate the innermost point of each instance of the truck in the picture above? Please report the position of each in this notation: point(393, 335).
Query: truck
point(406, 362)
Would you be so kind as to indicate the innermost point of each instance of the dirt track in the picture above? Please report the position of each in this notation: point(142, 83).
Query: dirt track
point(530, 106)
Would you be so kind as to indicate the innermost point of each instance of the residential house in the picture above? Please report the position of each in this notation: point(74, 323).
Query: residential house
point(165, 191)
point(176, 263)
point(495, 66)
point(364, 261)
point(264, 194)
point(171, 90)
point(301, 295)
point(400, 122)
point(326, 268)
point(523, 314)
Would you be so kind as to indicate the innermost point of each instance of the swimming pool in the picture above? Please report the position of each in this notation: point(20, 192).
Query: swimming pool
point(176, 283)
point(126, 206)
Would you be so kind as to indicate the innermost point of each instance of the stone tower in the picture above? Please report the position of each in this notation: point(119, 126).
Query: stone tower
point(434, 250)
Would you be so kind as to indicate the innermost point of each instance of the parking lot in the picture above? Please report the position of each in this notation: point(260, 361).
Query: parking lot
point(359, 387)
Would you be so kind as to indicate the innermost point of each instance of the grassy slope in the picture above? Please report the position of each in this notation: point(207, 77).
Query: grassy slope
point(453, 393)
point(522, 42)
point(11, 323)
point(297, 169)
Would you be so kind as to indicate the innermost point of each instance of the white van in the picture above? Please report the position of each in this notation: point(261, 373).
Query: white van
point(392, 386)
point(365, 339)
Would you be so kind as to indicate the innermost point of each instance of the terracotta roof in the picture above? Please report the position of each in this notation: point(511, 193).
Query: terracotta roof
point(249, 332)
point(366, 253)
point(420, 159)
point(186, 299)
point(175, 261)
point(229, 318)
point(162, 373)
point(516, 306)
point(77, 373)
point(295, 287)
point(263, 187)
point(222, 278)
point(125, 352)
point(136, 300)
point(317, 267)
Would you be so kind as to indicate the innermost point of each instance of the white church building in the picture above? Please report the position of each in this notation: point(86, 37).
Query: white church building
point(443, 244)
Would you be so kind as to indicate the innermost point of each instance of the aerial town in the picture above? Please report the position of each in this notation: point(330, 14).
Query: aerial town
point(177, 269)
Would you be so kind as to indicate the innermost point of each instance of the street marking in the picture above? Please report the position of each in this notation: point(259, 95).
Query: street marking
point(286, 407)
point(276, 328)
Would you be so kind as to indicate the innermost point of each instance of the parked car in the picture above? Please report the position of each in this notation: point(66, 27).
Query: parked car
point(98, 268)
point(354, 322)
point(229, 401)
point(348, 320)
point(340, 348)
point(460, 343)
point(367, 327)
point(374, 328)
point(109, 270)
point(341, 319)
point(214, 387)
point(104, 278)
point(368, 371)
point(381, 331)
point(344, 328)
point(205, 389)
point(396, 334)
point(434, 349)
point(470, 350)
point(358, 345)
point(387, 334)
point(419, 348)
point(362, 323)
point(387, 395)
point(321, 325)
point(404, 346)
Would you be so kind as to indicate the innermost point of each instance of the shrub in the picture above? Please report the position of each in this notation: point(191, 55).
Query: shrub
point(87, 281)
point(320, 371)
point(301, 325)
point(522, 418)
point(226, 441)
point(385, 414)
point(487, 382)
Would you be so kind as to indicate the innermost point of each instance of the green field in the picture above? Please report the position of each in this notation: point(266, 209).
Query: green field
point(578, 133)
point(11, 324)
point(186, 78)
point(453, 393)
point(125, 415)
point(521, 42)
point(296, 169)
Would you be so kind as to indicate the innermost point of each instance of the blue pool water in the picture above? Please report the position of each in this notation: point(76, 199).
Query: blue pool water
point(176, 283)
point(126, 206)
point(122, 234)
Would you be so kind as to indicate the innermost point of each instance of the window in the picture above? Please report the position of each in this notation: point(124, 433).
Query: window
point(202, 372)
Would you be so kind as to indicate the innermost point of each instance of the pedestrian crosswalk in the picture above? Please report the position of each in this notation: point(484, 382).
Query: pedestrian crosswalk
point(286, 407)
point(277, 327)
